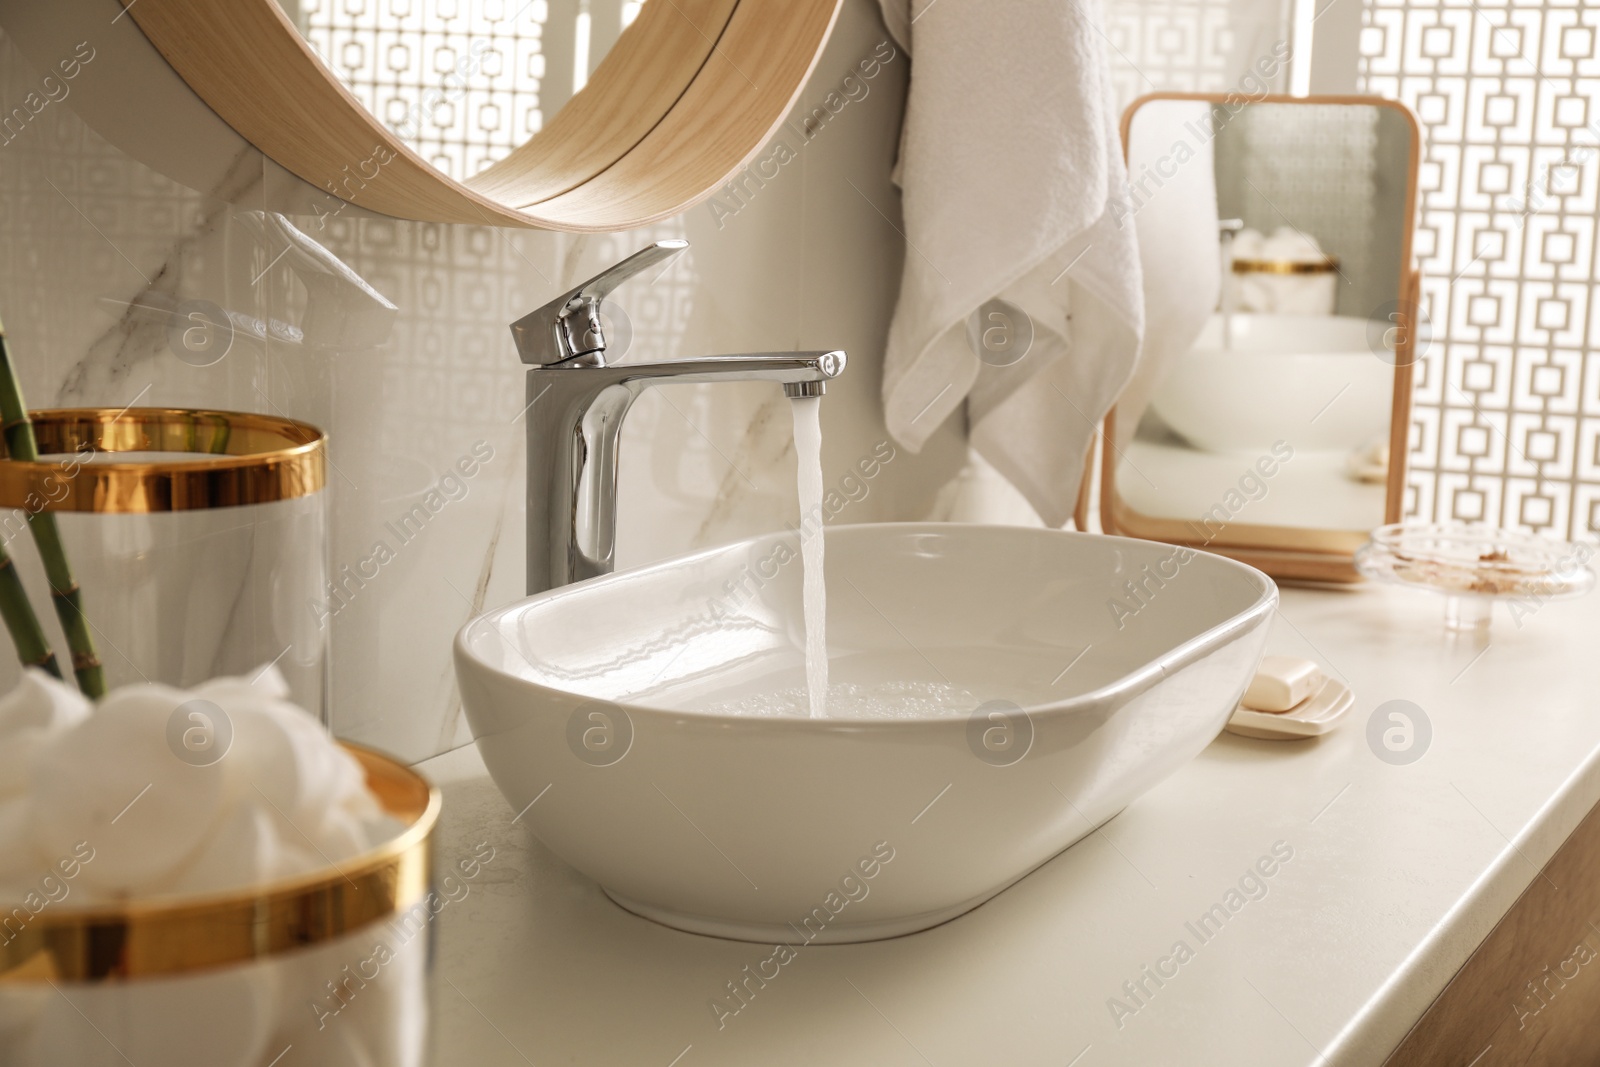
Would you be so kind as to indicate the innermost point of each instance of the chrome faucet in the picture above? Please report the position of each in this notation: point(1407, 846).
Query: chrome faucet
point(576, 402)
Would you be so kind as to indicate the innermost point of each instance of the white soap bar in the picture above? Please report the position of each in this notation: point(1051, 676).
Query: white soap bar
point(1281, 682)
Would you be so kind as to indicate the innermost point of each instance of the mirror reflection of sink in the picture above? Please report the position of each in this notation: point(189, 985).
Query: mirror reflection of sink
point(1310, 380)
point(1029, 684)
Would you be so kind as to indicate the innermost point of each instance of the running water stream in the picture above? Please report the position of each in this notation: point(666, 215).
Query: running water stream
point(808, 452)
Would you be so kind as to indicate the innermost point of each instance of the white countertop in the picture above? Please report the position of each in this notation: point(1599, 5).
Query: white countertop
point(1398, 872)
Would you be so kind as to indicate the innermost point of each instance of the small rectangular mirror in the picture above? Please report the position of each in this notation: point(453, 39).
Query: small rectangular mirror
point(1272, 428)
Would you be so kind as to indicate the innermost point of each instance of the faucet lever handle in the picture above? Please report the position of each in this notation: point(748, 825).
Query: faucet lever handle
point(568, 327)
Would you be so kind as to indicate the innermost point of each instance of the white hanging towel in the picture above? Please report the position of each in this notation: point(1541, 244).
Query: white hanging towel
point(1010, 162)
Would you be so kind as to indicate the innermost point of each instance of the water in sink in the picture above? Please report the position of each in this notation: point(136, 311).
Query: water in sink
point(935, 683)
point(852, 700)
point(808, 453)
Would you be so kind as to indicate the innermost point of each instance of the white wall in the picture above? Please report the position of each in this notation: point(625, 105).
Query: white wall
point(94, 221)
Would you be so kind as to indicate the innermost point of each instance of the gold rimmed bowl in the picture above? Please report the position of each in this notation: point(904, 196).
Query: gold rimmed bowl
point(332, 964)
point(179, 935)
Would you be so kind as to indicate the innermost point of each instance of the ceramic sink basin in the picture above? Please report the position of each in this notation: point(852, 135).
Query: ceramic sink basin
point(1042, 681)
point(1315, 381)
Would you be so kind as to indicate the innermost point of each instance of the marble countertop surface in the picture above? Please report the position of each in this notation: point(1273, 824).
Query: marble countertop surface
point(1395, 871)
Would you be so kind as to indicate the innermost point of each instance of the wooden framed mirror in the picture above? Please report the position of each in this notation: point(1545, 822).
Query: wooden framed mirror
point(684, 96)
point(1275, 429)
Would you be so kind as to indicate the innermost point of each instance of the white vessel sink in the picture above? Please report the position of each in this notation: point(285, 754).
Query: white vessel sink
point(1313, 381)
point(590, 706)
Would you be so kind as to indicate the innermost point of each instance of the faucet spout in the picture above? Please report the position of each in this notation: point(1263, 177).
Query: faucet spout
point(575, 411)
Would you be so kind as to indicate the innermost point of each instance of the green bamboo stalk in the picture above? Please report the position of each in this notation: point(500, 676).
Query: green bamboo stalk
point(26, 633)
point(64, 592)
point(220, 435)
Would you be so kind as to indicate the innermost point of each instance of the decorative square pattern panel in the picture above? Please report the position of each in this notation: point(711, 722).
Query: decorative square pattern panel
point(1191, 45)
point(462, 81)
point(1507, 422)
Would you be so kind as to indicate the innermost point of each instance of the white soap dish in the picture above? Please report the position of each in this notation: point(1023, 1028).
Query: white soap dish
point(1312, 717)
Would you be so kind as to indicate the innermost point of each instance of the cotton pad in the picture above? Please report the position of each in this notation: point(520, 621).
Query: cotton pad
point(283, 758)
point(245, 849)
point(113, 781)
point(276, 798)
point(41, 702)
point(29, 714)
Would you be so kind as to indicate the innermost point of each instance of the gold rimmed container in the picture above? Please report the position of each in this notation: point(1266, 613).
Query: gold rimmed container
point(236, 978)
point(153, 938)
point(230, 459)
point(199, 538)
point(1287, 286)
point(1325, 265)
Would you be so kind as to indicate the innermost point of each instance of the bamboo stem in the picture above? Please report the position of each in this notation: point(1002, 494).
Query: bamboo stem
point(26, 633)
point(64, 591)
point(219, 437)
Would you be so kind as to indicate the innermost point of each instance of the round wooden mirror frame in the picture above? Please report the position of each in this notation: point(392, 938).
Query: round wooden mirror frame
point(689, 93)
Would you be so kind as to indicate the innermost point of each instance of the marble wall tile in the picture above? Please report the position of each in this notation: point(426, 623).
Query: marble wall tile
point(111, 219)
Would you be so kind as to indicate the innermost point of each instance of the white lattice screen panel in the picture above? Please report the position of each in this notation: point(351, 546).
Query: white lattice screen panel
point(1190, 45)
point(462, 81)
point(1507, 422)
point(1161, 45)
